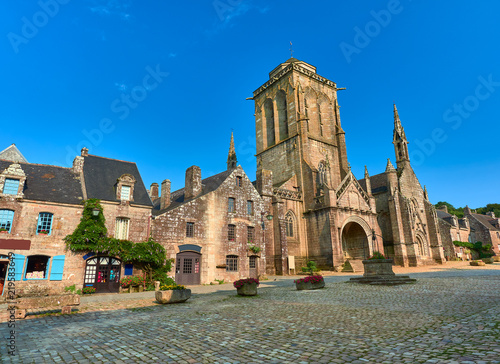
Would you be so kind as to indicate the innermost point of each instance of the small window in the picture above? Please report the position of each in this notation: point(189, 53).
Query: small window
point(44, 226)
point(11, 186)
point(37, 267)
point(231, 232)
point(190, 229)
point(121, 229)
point(239, 181)
point(289, 224)
point(250, 234)
point(230, 204)
point(231, 263)
point(250, 207)
point(253, 262)
point(6, 218)
point(125, 194)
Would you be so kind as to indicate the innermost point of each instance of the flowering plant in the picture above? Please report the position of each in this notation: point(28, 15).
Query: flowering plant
point(132, 281)
point(88, 290)
point(312, 279)
point(241, 282)
point(376, 255)
point(3, 229)
point(170, 287)
point(45, 232)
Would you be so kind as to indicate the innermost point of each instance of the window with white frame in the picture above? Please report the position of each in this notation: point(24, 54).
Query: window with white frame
point(11, 186)
point(121, 229)
point(125, 194)
point(6, 219)
point(44, 225)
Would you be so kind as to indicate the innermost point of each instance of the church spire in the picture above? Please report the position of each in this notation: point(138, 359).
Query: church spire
point(389, 167)
point(231, 156)
point(399, 140)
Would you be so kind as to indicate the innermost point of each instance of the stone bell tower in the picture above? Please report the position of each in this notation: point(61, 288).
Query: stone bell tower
point(300, 139)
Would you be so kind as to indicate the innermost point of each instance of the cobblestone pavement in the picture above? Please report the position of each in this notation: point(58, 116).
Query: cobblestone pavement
point(447, 316)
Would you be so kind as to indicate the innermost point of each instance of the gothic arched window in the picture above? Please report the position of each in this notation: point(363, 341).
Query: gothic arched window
point(269, 115)
point(282, 114)
point(290, 224)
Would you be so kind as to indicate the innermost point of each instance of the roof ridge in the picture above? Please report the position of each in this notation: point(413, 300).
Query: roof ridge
point(111, 159)
point(36, 164)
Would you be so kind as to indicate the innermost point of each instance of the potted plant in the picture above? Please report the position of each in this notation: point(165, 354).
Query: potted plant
point(310, 282)
point(254, 249)
point(43, 232)
point(377, 265)
point(172, 293)
point(133, 283)
point(4, 231)
point(246, 287)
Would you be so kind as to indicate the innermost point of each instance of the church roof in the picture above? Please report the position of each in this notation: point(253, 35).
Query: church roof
point(177, 199)
point(101, 175)
point(11, 153)
point(49, 183)
point(378, 183)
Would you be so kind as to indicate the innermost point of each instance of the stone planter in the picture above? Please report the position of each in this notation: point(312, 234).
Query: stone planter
point(173, 296)
point(248, 289)
point(132, 289)
point(496, 258)
point(488, 260)
point(477, 263)
point(378, 268)
point(309, 285)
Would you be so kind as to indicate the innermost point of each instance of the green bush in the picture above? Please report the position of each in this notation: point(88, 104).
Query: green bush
point(311, 267)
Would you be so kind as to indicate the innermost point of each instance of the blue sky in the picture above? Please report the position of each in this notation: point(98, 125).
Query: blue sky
point(163, 83)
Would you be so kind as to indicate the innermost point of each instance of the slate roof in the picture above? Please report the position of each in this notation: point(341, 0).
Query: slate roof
point(49, 183)
point(485, 220)
point(11, 153)
point(377, 181)
point(101, 175)
point(208, 185)
point(442, 214)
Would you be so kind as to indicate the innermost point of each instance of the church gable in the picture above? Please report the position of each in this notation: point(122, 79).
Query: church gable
point(352, 194)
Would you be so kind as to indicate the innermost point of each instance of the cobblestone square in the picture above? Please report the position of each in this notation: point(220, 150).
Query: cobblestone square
point(447, 316)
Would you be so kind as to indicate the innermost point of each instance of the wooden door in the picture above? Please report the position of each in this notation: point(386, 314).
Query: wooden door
point(253, 267)
point(187, 268)
point(103, 273)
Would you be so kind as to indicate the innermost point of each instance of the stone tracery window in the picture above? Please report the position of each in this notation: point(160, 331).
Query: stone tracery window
point(322, 174)
point(290, 224)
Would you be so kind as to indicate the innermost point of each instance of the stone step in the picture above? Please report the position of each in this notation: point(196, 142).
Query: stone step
point(357, 266)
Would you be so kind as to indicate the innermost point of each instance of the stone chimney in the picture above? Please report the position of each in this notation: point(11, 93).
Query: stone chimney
point(193, 183)
point(78, 165)
point(85, 152)
point(491, 214)
point(165, 193)
point(443, 208)
point(153, 191)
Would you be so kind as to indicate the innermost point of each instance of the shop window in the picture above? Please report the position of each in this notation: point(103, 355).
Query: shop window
point(6, 219)
point(37, 267)
point(44, 225)
point(121, 229)
point(230, 204)
point(11, 186)
point(231, 263)
point(231, 232)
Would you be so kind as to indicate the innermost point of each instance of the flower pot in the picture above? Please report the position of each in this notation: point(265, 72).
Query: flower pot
point(301, 285)
point(132, 289)
point(248, 289)
point(378, 267)
point(173, 296)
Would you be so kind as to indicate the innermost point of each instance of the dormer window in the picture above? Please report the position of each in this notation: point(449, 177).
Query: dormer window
point(125, 193)
point(125, 188)
point(11, 186)
point(12, 181)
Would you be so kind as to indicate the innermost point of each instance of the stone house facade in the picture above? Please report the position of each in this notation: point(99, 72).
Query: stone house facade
point(453, 229)
point(210, 226)
point(41, 204)
point(486, 228)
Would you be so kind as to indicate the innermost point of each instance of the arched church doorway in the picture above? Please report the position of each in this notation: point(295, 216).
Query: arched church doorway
point(354, 241)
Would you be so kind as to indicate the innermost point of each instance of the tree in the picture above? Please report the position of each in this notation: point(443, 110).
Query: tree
point(149, 256)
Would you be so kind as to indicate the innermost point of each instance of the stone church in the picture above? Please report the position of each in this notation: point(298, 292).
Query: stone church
point(323, 212)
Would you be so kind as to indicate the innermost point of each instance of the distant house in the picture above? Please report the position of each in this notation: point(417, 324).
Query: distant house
point(486, 227)
point(41, 204)
point(452, 229)
point(212, 228)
